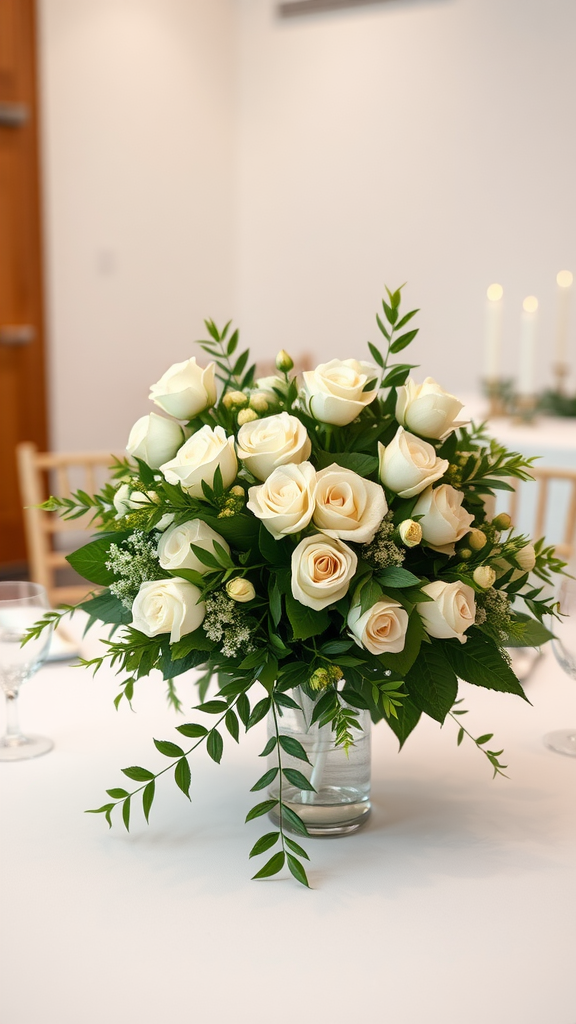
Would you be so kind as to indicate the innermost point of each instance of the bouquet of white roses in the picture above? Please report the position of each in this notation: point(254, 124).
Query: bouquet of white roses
point(325, 531)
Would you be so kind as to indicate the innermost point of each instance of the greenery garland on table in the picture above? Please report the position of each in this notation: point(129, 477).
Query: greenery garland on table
point(327, 530)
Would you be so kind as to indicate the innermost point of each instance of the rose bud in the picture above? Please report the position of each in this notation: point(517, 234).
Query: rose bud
point(246, 416)
point(476, 539)
point(502, 521)
point(240, 590)
point(410, 533)
point(284, 362)
point(235, 400)
point(258, 402)
point(484, 576)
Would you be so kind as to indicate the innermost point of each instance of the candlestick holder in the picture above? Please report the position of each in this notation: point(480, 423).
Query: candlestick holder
point(525, 408)
point(560, 371)
point(499, 393)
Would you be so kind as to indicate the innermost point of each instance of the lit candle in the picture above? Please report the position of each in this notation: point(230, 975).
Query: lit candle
point(564, 281)
point(493, 332)
point(526, 383)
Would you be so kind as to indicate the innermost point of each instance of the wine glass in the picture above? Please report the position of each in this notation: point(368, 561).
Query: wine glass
point(563, 741)
point(21, 605)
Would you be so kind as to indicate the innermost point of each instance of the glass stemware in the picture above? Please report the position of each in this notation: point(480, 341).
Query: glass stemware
point(21, 605)
point(563, 741)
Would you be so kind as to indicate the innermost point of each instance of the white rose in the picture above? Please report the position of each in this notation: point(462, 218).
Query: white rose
point(270, 385)
point(408, 464)
point(154, 439)
point(382, 629)
point(451, 611)
point(265, 444)
point(185, 389)
point(321, 571)
point(168, 606)
point(174, 550)
point(347, 506)
point(444, 521)
point(240, 590)
point(526, 558)
point(198, 459)
point(285, 502)
point(334, 390)
point(427, 409)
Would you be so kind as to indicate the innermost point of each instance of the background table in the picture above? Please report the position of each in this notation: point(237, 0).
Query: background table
point(455, 905)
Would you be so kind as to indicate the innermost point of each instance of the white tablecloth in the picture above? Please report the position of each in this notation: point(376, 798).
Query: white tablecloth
point(455, 905)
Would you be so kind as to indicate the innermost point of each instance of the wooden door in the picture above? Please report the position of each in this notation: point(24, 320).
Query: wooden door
point(22, 370)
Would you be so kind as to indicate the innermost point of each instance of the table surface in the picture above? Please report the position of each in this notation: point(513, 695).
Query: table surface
point(454, 905)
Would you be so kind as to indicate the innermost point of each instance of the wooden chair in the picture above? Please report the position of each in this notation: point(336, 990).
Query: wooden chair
point(48, 537)
point(553, 507)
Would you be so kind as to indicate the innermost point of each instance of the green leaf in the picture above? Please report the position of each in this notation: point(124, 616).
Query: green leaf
point(432, 683)
point(405, 319)
point(260, 809)
point(297, 869)
point(168, 749)
point(107, 608)
point(396, 576)
point(126, 814)
point(265, 780)
point(212, 707)
point(243, 709)
point(292, 845)
point(399, 343)
point(484, 739)
point(215, 745)
point(261, 709)
point(382, 328)
point(397, 375)
point(274, 600)
point(232, 725)
point(277, 552)
point(460, 736)
point(376, 355)
point(479, 661)
point(293, 747)
point(305, 622)
point(264, 843)
point(534, 633)
point(90, 560)
point(408, 716)
point(182, 776)
point(284, 701)
point(360, 463)
point(117, 794)
point(299, 780)
point(192, 731)
point(272, 867)
point(138, 774)
point(269, 747)
point(148, 798)
point(293, 820)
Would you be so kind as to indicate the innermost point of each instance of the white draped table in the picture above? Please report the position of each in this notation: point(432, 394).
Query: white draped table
point(455, 905)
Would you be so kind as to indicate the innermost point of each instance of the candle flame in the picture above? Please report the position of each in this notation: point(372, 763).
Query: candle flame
point(495, 292)
point(564, 279)
point(530, 304)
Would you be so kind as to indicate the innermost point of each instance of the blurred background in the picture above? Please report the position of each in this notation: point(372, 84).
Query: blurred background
point(162, 161)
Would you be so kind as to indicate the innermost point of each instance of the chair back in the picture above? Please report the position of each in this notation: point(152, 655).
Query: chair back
point(50, 538)
point(547, 509)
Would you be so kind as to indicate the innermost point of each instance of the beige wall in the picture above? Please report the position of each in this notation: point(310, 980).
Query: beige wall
point(205, 158)
point(431, 142)
point(138, 122)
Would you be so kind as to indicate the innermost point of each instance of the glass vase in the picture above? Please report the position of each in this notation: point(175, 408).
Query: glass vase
point(341, 801)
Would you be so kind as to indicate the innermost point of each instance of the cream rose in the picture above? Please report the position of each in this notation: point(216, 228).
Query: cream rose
point(168, 606)
point(321, 571)
point(174, 550)
point(347, 506)
point(443, 521)
point(185, 389)
point(426, 409)
point(285, 502)
point(381, 629)
point(154, 439)
point(271, 442)
point(198, 459)
point(240, 589)
point(127, 499)
point(451, 611)
point(335, 392)
point(408, 464)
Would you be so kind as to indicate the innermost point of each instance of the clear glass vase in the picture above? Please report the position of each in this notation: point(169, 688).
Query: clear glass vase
point(341, 803)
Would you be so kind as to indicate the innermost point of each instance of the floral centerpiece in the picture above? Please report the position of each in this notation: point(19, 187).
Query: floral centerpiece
point(321, 538)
